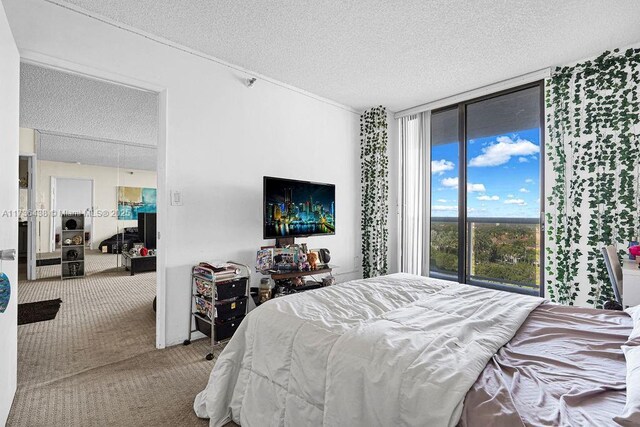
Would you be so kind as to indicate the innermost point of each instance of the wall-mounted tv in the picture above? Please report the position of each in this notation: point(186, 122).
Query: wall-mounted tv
point(298, 208)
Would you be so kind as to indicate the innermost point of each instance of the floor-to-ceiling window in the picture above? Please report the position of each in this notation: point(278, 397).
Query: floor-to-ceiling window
point(445, 206)
point(486, 190)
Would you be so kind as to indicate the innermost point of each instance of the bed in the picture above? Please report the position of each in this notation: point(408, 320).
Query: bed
point(409, 350)
point(115, 243)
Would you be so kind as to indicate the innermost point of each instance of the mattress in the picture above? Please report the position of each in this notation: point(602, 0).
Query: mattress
point(564, 367)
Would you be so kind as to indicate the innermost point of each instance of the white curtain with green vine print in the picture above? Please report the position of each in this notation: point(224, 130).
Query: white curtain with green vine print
point(374, 179)
point(593, 152)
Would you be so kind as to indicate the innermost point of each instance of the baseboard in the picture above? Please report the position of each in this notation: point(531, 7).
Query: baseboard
point(47, 261)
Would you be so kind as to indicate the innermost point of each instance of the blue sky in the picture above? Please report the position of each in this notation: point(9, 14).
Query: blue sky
point(503, 176)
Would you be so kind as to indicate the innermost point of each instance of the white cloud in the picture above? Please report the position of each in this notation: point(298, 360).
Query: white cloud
point(523, 160)
point(441, 166)
point(442, 208)
point(528, 181)
point(471, 187)
point(524, 190)
point(518, 202)
point(502, 150)
point(486, 197)
point(475, 188)
point(510, 196)
point(441, 200)
point(450, 182)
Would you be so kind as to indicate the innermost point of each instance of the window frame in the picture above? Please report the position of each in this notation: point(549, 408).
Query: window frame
point(463, 252)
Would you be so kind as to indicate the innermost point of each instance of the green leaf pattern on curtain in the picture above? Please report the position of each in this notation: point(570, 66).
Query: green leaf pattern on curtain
point(593, 146)
point(374, 179)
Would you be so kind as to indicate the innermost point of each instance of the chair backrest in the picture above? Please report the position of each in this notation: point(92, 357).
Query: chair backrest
point(614, 269)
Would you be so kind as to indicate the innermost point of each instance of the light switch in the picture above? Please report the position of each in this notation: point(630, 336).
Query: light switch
point(176, 198)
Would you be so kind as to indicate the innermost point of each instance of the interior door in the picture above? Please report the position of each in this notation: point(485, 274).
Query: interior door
point(9, 128)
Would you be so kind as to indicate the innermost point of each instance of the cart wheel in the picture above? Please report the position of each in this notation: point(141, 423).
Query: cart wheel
point(209, 356)
point(186, 342)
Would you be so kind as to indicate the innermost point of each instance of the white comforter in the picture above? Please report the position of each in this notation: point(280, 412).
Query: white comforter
point(398, 350)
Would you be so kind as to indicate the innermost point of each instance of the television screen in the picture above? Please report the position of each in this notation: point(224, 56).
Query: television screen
point(298, 208)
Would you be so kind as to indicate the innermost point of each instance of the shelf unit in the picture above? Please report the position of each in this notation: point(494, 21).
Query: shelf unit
point(218, 306)
point(72, 256)
point(282, 280)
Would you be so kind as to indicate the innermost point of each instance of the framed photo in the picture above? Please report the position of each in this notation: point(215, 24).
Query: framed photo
point(264, 259)
point(285, 256)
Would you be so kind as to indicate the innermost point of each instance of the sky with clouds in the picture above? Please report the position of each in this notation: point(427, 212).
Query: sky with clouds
point(503, 176)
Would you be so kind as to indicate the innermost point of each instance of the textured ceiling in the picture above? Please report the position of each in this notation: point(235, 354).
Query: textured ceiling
point(73, 149)
point(372, 52)
point(56, 101)
point(88, 121)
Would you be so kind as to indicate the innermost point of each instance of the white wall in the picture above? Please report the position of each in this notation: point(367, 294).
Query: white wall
point(222, 137)
point(9, 99)
point(27, 141)
point(105, 181)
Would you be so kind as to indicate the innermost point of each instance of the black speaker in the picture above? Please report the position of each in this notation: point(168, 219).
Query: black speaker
point(147, 229)
point(325, 255)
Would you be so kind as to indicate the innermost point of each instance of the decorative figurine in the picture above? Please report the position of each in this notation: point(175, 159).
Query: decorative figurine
point(312, 258)
point(74, 268)
point(303, 264)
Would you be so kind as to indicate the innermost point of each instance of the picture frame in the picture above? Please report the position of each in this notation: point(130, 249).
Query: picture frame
point(264, 259)
point(286, 257)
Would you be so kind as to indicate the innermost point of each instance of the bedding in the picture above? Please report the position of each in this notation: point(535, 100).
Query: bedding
point(393, 350)
point(564, 367)
point(630, 415)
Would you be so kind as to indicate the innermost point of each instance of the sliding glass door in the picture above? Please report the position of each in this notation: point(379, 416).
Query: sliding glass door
point(486, 193)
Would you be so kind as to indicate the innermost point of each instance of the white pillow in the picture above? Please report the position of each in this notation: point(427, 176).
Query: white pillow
point(634, 312)
point(631, 413)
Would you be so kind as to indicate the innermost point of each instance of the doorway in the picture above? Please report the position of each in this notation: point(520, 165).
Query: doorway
point(99, 160)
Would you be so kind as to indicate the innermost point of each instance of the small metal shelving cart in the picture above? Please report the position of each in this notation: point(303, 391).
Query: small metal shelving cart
point(218, 305)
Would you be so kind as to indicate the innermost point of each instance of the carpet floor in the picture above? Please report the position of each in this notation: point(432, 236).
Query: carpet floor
point(96, 363)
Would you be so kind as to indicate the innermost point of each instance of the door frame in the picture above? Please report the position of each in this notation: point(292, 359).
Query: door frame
point(42, 60)
point(32, 222)
point(462, 180)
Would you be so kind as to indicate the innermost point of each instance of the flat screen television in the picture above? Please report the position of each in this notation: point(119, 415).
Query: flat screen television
point(298, 208)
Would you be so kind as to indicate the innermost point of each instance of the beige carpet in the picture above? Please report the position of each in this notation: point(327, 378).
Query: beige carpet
point(96, 363)
point(96, 262)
